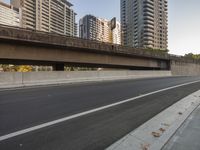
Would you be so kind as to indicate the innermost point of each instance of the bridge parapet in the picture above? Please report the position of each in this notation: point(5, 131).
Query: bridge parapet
point(52, 39)
point(182, 59)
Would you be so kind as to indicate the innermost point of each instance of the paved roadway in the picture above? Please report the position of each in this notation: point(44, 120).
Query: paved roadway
point(25, 108)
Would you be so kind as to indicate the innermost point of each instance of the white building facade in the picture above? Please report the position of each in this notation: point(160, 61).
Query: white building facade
point(9, 15)
point(116, 33)
point(55, 16)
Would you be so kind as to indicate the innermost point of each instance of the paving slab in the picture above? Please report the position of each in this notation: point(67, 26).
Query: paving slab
point(188, 136)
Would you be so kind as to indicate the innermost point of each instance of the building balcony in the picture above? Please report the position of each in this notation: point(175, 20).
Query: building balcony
point(149, 22)
point(149, 15)
point(150, 30)
point(148, 18)
point(150, 34)
point(148, 5)
point(150, 2)
point(146, 9)
point(148, 42)
point(148, 38)
point(150, 26)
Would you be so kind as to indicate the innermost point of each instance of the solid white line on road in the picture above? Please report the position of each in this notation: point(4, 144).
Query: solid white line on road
point(165, 124)
point(17, 133)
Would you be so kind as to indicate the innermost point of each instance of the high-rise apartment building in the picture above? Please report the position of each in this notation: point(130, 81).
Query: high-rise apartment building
point(145, 23)
point(9, 15)
point(93, 28)
point(54, 16)
point(104, 30)
point(116, 32)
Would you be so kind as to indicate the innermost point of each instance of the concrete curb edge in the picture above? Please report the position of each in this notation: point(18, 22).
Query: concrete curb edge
point(156, 132)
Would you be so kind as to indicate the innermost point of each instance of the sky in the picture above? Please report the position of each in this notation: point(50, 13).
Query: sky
point(184, 21)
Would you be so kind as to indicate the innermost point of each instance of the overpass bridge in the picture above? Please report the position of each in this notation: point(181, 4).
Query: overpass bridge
point(23, 46)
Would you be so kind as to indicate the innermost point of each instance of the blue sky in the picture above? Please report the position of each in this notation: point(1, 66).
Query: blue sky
point(184, 20)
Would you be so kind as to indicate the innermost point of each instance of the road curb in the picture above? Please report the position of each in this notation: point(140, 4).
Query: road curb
point(156, 132)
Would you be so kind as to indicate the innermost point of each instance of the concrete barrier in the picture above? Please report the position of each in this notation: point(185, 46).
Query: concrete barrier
point(10, 79)
point(15, 79)
point(146, 74)
point(57, 77)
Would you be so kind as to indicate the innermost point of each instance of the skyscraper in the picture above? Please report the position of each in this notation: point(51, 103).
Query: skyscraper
point(116, 33)
point(145, 23)
point(93, 28)
point(54, 16)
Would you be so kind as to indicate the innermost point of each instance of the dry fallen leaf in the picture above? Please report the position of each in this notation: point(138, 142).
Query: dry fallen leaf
point(145, 146)
point(155, 134)
point(165, 124)
point(162, 130)
point(180, 113)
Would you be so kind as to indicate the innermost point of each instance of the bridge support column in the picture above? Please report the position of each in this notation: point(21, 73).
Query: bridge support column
point(58, 67)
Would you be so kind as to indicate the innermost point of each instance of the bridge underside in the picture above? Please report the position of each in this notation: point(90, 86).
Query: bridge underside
point(36, 54)
point(59, 66)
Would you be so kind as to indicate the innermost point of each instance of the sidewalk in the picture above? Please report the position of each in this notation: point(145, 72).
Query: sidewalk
point(188, 135)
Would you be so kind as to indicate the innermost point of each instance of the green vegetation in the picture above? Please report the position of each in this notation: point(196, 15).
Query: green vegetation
point(192, 56)
point(158, 50)
point(79, 69)
point(27, 68)
point(15, 68)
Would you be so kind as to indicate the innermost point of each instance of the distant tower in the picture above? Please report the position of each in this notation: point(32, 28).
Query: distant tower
point(145, 23)
point(93, 28)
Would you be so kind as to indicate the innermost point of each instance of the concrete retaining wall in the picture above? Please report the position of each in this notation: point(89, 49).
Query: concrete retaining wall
point(8, 80)
point(179, 68)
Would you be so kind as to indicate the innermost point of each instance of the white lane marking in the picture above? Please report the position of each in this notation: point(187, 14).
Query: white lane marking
point(17, 133)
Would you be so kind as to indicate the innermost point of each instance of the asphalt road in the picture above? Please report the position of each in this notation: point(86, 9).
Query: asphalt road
point(24, 108)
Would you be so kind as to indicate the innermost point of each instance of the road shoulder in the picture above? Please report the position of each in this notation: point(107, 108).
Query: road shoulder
point(155, 133)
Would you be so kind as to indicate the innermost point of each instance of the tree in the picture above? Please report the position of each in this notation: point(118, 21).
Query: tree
point(192, 56)
point(24, 68)
point(8, 68)
point(157, 50)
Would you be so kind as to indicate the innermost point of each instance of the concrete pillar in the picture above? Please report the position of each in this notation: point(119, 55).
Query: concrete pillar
point(58, 67)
